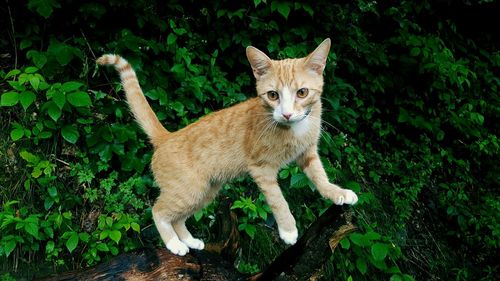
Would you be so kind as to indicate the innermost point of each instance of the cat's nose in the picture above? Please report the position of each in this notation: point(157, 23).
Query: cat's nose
point(287, 116)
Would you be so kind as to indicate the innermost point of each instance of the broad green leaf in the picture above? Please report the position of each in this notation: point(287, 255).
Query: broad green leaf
point(54, 111)
point(49, 248)
point(72, 242)
point(282, 7)
point(32, 229)
point(29, 157)
point(379, 251)
point(84, 237)
point(11, 73)
point(345, 244)
point(30, 69)
point(9, 99)
point(198, 215)
point(70, 133)
point(396, 277)
point(135, 227)
point(16, 134)
point(38, 58)
point(9, 247)
point(71, 86)
point(25, 43)
point(63, 53)
point(359, 239)
point(34, 82)
point(250, 230)
point(59, 98)
point(79, 99)
point(115, 235)
point(361, 265)
point(52, 191)
point(27, 98)
point(171, 38)
point(102, 247)
point(103, 234)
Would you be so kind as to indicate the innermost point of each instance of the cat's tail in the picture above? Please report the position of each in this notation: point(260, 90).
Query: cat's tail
point(135, 97)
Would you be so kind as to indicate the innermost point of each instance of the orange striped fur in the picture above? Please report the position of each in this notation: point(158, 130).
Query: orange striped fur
point(258, 137)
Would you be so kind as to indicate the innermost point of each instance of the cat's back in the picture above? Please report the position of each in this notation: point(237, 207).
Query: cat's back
point(211, 145)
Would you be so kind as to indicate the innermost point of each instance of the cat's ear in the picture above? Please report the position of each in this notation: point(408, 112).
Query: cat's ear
point(316, 60)
point(259, 61)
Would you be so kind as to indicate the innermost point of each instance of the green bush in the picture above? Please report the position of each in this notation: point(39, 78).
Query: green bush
point(410, 123)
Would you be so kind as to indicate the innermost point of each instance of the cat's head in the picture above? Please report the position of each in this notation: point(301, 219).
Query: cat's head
point(289, 87)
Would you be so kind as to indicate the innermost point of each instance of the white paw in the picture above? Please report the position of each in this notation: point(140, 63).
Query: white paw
point(345, 196)
point(290, 237)
point(194, 243)
point(177, 247)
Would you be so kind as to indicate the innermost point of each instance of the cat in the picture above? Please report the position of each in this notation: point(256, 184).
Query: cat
point(258, 136)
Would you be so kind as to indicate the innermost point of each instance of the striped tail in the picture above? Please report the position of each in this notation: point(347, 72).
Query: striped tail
point(135, 97)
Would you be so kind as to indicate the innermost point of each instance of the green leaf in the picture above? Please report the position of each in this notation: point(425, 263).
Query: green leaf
point(31, 228)
point(282, 7)
point(345, 244)
point(171, 39)
point(135, 227)
point(79, 99)
point(250, 230)
point(30, 69)
point(396, 277)
point(198, 215)
point(359, 239)
point(361, 265)
point(52, 191)
point(415, 51)
point(11, 73)
point(49, 248)
point(35, 82)
point(262, 213)
point(25, 43)
point(63, 53)
point(9, 99)
point(102, 247)
point(16, 134)
point(379, 251)
point(72, 242)
point(26, 98)
point(84, 237)
point(9, 247)
point(59, 98)
point(29, 157)
point(70, 133)
point(39, 59)
point(71, 86)
point(54, 111)
point(115, 235)
point(103, 234)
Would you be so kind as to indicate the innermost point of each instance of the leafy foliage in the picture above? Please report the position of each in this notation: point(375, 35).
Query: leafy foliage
point(411, 124)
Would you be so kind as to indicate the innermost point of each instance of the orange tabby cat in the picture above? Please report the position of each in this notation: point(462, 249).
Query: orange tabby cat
point(258, 136)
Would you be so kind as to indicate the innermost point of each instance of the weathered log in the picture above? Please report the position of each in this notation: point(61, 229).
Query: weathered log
point(157, 264)
point(305, 258)
point(299, 262)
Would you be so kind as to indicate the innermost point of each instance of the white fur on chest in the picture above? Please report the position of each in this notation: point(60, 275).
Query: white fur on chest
point(301, 128)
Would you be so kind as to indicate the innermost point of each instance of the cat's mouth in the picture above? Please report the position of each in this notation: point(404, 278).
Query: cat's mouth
point(295, 121)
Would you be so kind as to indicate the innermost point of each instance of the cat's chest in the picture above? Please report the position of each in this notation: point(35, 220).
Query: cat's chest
point(291, 142)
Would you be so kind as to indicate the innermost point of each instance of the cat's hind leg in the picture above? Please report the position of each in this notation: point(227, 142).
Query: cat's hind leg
point(180, 225)
point(163, 221)
point(186, 237)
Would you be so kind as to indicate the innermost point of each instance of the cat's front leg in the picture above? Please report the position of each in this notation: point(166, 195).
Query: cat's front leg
point(265, 177)
point(310, 163)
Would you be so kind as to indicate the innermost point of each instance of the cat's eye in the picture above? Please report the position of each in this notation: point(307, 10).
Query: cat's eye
point(302, 93)
point(273, 95)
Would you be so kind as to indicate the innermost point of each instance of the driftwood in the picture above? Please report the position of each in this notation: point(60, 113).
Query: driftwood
point(301, 261)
